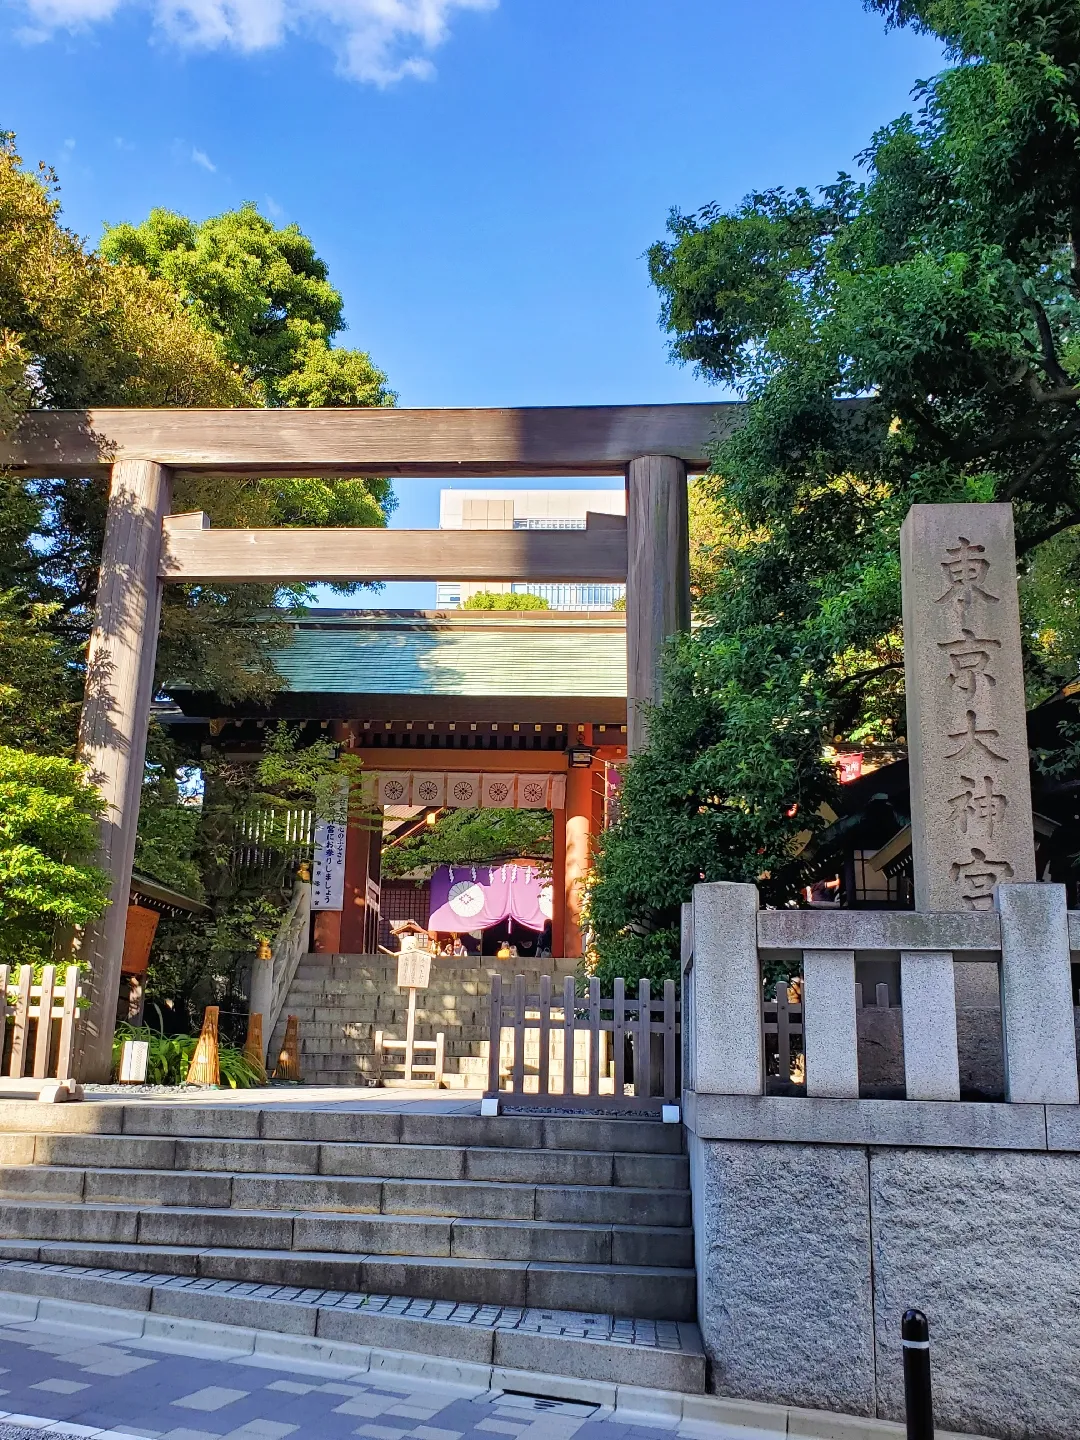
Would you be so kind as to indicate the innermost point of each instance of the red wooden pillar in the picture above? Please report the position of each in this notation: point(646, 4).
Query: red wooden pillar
point(359, 843)
point(326, 937)
point(578, 836)
point(558, 882)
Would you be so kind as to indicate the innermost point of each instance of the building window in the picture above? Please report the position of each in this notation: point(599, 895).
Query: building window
point(574, 597)
point(550, 522)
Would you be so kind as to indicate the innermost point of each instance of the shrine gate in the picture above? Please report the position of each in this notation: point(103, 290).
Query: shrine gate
point(146, 547)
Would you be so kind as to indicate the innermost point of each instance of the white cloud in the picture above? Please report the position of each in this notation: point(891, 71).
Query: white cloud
point(376, 41)
point(200, 157)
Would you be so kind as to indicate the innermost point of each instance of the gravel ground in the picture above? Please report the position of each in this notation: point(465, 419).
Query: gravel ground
point(146, 1090)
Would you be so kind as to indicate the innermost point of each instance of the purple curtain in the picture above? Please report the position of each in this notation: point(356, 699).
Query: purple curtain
point(475, 897)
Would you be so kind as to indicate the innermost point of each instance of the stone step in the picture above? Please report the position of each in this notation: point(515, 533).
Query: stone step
point(643, 1293)
point(547, 1352)
point(466, 1199)
point(548, 1133)
point(414, 1235)
point(371, 1160)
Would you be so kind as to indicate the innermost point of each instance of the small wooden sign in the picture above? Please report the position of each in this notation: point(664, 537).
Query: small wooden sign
point(414, 969)
point(134, 1055)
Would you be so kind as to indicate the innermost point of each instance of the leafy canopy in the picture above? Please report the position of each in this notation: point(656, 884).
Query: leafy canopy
point(471, 837)
point(48, 833)
point(504, 600)
point(911, 335)
point(265, 293)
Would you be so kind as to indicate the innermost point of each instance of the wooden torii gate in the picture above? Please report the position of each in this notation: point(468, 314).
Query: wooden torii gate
point(146, 547)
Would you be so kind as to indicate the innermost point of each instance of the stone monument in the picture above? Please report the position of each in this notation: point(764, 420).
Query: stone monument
point(967, 729)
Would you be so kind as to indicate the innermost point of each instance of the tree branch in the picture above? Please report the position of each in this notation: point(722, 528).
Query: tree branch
point(1054, 368)
point(1048, 533)
point(1043, 455)
point(863, 676)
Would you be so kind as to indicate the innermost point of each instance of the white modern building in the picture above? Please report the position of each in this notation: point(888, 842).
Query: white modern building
point(529, 510)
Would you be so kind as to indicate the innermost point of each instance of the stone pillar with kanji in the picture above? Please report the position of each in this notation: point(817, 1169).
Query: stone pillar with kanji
point(971, 822)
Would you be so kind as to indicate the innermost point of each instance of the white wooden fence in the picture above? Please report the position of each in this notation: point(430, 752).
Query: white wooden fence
point(1030, 938)
point(38, 1039)
point(648, 1024)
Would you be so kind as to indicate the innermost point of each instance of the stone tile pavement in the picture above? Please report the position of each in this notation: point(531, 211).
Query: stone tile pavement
point(81, 1381)
point(667, 1335)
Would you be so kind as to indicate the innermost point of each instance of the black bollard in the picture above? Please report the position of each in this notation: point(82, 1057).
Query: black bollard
point(918, 1397)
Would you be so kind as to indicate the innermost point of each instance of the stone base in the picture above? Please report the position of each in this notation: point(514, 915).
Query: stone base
point(808, 1254)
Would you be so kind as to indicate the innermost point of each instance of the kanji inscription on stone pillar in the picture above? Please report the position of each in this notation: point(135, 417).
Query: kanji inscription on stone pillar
point(971, 822)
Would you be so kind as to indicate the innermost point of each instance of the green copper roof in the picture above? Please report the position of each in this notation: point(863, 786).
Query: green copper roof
point(415, 652)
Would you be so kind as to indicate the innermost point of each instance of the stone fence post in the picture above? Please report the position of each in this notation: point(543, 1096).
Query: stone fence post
point(725, 1042)
point(1036, 995)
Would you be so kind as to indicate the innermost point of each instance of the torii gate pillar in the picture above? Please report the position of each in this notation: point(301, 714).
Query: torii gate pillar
point(115, 716)
point(657, 579)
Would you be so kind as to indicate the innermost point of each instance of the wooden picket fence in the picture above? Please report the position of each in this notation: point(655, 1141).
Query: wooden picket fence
point(783, 1021)
point(647, 1026)
point(51, 1055)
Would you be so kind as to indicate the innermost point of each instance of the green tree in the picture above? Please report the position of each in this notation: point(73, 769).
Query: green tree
point(197, 844)
point(504, 600)
point(472, 837)
point(48, 834)
point(265, 293)
point(908, 336)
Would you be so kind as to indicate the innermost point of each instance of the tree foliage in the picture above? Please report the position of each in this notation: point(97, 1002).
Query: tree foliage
point(48, 834)
point(910, 335)
point(472, 837)
point(229, 312)
point(504, 600)
point(265, 293)
point(197, 844)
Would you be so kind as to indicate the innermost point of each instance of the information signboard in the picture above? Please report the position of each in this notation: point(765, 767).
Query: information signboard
point(414, 969)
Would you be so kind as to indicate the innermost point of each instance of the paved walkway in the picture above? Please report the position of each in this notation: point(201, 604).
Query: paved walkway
point(75, 1381)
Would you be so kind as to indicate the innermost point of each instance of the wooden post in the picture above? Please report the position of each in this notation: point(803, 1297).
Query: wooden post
point(568, 1035)
point(115, 715)
point(643, 1049)
point(358, 857)
point(21, 1032)
point(495, 1034)
point(783, 1032)
point(410, 1034)
point(66, 1055)
point(543, 1082)
point(671, 1043)
point(657, 578)
point(618, 1033)
point(594, 1036)
point(43, 1042)
point(517, 1072)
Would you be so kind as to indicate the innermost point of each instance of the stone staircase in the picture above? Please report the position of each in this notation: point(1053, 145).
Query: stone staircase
point(341, 1000)
point(546, 1214)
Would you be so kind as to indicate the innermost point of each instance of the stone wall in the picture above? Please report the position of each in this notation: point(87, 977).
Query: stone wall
point(808, 1254)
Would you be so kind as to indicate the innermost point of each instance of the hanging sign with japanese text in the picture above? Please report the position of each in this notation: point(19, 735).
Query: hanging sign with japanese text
point(331, 831)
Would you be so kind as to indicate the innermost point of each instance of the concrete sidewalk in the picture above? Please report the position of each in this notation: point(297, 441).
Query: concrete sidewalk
point(71, 1370)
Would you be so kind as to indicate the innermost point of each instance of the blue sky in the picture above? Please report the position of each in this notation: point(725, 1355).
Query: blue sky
point(483, 190)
